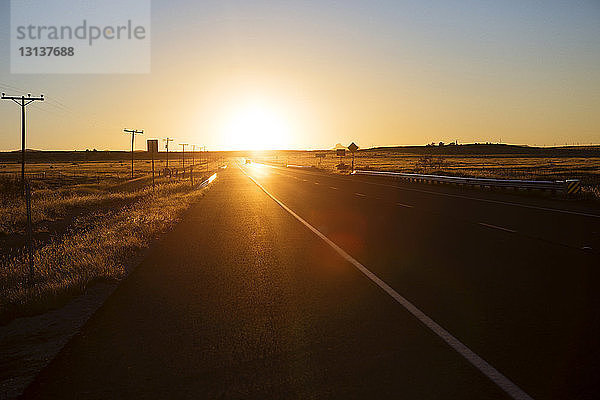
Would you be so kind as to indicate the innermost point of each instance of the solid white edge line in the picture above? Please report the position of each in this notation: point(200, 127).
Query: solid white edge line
point(483, 366)
point(497, 227)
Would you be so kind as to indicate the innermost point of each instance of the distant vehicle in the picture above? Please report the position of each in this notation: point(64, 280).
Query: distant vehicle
point(248, 161)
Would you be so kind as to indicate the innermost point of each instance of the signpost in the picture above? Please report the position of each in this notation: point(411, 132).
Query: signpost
point(320, 156)
point(152, 149)
point(167, 140)
point(183, 157)
point(341, 153)
point(353, 148)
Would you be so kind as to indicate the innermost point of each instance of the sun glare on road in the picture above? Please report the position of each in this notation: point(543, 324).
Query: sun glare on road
point(258, 170)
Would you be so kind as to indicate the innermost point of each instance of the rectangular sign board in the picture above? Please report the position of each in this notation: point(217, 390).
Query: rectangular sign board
point(340, 152)
point(152, 146)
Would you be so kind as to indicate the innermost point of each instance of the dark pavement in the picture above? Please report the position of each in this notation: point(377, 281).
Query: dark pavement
point(243, 301)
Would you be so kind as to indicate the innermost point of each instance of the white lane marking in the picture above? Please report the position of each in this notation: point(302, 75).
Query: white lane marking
point(360, 194)
point(317, 183)
point(483, 366)
point(304, 180)
point(333, 187)
point(508, 203)
point(404, 205)
point(497, 227)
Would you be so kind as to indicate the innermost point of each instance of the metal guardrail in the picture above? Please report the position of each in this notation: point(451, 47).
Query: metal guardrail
point(570, 186)
point(298, 166)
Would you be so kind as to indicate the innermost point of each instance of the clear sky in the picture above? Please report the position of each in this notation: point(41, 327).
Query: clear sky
point(309, 74)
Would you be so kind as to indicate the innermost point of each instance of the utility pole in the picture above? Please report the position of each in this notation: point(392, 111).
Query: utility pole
point(193, 163)
point(133, 133)
point(152, 149)
point(206, 154)
point(167, 140)
point(23, 102)
point(183, 156)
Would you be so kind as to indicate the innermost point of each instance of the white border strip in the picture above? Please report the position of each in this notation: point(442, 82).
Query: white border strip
point(497, 227)
point(483, 366)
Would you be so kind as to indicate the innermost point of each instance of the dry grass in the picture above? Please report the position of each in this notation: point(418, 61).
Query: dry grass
point(83, 233)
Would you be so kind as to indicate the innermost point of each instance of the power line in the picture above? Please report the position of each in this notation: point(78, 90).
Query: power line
point(60, 108)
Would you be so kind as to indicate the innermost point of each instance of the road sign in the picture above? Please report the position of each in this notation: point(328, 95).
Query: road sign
point(152, 146)
point(573, 186)
point(353, 147)
point(340, 152)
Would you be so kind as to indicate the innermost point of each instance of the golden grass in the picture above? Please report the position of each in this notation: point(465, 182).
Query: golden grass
point(492, 166)
point(101, 250)
point(50, 205)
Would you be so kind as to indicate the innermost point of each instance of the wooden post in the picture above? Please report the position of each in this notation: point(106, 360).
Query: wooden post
point(29, 228)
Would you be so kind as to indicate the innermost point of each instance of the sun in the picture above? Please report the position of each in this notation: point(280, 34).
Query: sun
point(256, 124)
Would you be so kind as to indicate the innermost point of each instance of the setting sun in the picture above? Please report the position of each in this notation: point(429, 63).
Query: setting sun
point(256, 124)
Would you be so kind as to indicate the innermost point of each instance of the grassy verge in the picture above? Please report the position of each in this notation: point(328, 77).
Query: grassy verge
point(52, 205)
point(100, 249)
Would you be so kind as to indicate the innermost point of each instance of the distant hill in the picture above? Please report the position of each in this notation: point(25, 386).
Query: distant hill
point(26, 150)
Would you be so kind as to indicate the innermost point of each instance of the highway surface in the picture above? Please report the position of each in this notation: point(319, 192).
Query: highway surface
point(285, 283)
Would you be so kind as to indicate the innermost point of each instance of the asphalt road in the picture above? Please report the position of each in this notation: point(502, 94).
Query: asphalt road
point(242, 300)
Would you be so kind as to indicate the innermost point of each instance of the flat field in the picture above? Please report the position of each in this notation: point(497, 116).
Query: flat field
point(89, 221)
point(503, 166)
